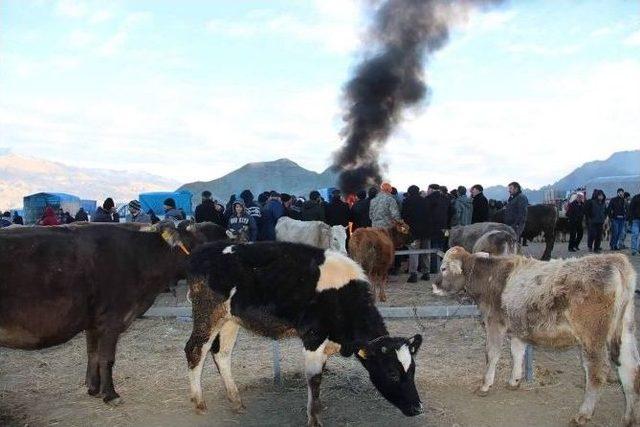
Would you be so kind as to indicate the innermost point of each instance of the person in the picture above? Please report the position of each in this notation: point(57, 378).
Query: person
point(360, 211)
point(623, 232)
point(240, 221)
point(81, 215)
point(290, 208)
point(228, 209)
point(337, 212)
point(575, 215)
point(462, 207)
point(595, 212)
point(383, 209)
point(61, 217)
point(414, 212)
point(17, 219)
point(515, 214)
point(313, 209)
point(617, 213)
point(68, 219)
point(272, 212)
point(153, 216)
point(208, 210)
point(136, 215)
point(438, 210)
point(5, 221)
point(252, 208)
point(634, 219)
point(106, 212)
point(480, 208)
point(49, 218)
point(170, 211)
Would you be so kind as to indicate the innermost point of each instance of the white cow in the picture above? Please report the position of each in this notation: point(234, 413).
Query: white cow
point(314, 233)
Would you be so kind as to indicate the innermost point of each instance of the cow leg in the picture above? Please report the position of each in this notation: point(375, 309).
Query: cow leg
point(92, 379)
point(594, 368)
point(314, 362)
point(629, 372)
point(222, 358)
point(495, 338)
point(518, 348)
point(107, 355)
point(382, 281)
point(549, 239)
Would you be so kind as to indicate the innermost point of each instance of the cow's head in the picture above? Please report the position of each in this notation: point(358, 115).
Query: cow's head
point(187, 235)
point(451, 278)
point(400, 233)
point(391, 366)
point(338, 239)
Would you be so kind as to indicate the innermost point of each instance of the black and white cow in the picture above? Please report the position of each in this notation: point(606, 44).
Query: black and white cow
point(280, 289)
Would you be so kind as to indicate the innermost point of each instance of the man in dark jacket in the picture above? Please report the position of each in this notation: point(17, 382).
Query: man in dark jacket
point(252, 208)
point(617, 212)
point(170, 210)
point(208, 210)
point(17, 219)
point(106, 213)
point(360, 211)
point(337, 212)
point(634, 219)
point(313, 209)
point(480, 211)
point(595, 212)
point(515, 214)
point(82, 215)
point(438, 206)
point(291, 210)
point(271, 213)
point(575, 215)
point(414, 212)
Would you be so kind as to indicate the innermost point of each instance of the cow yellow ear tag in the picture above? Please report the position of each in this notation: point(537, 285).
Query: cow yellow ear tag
point(362, 354)
point(166, 235)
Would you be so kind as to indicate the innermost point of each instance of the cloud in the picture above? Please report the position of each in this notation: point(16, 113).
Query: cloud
point(542, 50)
point(72, 8)
point(113, 45)
point(633, 39)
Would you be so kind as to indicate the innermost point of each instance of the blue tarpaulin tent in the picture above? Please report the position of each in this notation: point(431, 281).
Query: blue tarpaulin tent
point(89, 206)
point(35, 204)
point(156, 200)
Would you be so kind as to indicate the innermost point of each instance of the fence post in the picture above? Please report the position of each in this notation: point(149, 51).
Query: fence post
point(528, 363)
point(277, 373)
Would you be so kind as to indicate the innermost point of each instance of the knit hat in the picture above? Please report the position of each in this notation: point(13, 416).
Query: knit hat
point(135, 205)
point(170, 202)
point(206, 194)
point(386, 187)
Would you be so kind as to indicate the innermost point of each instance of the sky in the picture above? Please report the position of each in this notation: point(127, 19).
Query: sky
point(192, 90)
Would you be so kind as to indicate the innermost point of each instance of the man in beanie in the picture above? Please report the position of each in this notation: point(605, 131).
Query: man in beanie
point(106, 212)
point(136, 215)
point(170, 211)
point(384, 208)
point(208, 210)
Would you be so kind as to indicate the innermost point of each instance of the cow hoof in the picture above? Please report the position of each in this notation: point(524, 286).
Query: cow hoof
point(580, 420)
point(201, 408)
point(314, 423)
point(513, 387)
point(482, 393)
point(95, 392)
point(238, 407)
point(115, 401)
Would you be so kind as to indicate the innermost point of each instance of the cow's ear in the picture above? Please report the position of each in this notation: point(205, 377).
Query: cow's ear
point(414, 343)
point(455, 266)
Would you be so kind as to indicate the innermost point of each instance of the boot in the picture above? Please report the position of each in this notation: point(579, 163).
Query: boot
point(425, 277)
point(413, 278)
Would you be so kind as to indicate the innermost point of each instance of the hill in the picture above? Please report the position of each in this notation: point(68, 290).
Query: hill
point(282, 175)
point(21, 176)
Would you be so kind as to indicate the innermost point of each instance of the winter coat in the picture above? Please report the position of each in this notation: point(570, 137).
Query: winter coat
point(575, 212)
point(360, 213)
point(463, 211)
point(4, 222)
point(414, 213)
point(617, 208)
point(383, 210)
point(272, 211)
point(141, 218)
point(634, 208)
point(595, 211)
point(244, 222)
point(293, 212)
point(82, 215)
point(312, 211)
point(515, 213)
point(337, 213)
point(174, 214)
point(49, 217)
point(438, 211)
point(207, 212)
point(100, 215)
point(480, 211)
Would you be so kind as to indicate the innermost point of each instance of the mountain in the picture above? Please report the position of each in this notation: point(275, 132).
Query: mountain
point(21, 176)
point(281, 175)
point(621, 169)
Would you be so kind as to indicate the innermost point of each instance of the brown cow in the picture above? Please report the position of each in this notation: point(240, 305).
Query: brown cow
point(91, 277)
point(374, 248)
point(580, 301)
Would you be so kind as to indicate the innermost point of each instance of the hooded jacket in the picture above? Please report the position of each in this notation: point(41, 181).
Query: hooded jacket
point(49, 217)
point(244, 221)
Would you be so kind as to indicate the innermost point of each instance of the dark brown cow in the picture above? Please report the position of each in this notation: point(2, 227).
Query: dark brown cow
point(540, 219)
point(96, 278)
point(586, 302)
point(374, 248)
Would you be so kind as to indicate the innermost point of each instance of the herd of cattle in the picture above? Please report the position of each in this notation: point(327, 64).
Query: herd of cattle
point(99, 277)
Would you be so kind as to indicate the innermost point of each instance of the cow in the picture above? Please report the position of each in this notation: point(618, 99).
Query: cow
point(561, 303)
point(282, 289)
point(540, 219)
point(314, 233)
point(374, 248)
point(501, 240)
point(562, 229)
point(89, 277)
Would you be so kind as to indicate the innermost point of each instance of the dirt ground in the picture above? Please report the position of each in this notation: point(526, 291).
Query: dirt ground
point(42, 388)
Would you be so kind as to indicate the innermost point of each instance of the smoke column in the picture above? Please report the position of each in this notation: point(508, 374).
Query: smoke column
point(391, 79)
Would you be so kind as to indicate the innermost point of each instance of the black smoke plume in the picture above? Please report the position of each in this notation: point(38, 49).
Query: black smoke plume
point(390, 79)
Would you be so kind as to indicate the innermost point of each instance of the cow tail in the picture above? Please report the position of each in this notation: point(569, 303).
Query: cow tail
point(623, 310)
